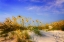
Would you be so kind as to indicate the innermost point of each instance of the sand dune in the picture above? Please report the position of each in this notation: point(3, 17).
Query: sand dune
point(50, 36)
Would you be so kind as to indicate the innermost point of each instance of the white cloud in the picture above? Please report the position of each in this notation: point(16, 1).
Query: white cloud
point(33, 8)
point(37, 0)
point(59, 2)
point(30, 8)
point(32, 0)
point(56, 3)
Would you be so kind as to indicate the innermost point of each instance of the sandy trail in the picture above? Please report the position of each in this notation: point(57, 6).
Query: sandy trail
point(50, 36)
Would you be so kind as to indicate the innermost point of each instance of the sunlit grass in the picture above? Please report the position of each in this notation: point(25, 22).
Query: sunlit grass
point(13, 27)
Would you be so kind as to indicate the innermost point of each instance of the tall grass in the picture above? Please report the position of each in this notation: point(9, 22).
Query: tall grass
point(18, 27)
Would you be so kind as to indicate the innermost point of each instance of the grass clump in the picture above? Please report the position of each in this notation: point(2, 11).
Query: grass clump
point(36, 31)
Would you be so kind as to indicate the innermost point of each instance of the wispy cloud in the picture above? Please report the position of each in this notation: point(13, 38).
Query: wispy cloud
point(55, 7)
point(33, 0)
point(33, 8)
point(56, 3)
point(59, 2)
point(37, 0)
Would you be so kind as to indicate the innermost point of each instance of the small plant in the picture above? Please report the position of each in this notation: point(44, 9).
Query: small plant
point(23, 36)
point(36, 31)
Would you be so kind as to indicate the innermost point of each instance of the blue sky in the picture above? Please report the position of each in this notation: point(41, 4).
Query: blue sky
point(44, 10)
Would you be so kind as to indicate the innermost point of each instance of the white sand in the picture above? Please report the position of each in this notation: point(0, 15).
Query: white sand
point(50, 36)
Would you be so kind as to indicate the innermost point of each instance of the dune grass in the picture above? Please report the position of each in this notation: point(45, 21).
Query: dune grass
point(17, 26)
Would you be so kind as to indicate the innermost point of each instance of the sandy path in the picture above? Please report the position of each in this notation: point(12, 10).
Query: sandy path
point(51, 36)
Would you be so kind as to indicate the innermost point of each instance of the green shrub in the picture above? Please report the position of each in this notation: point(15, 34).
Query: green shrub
point(36, 31)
